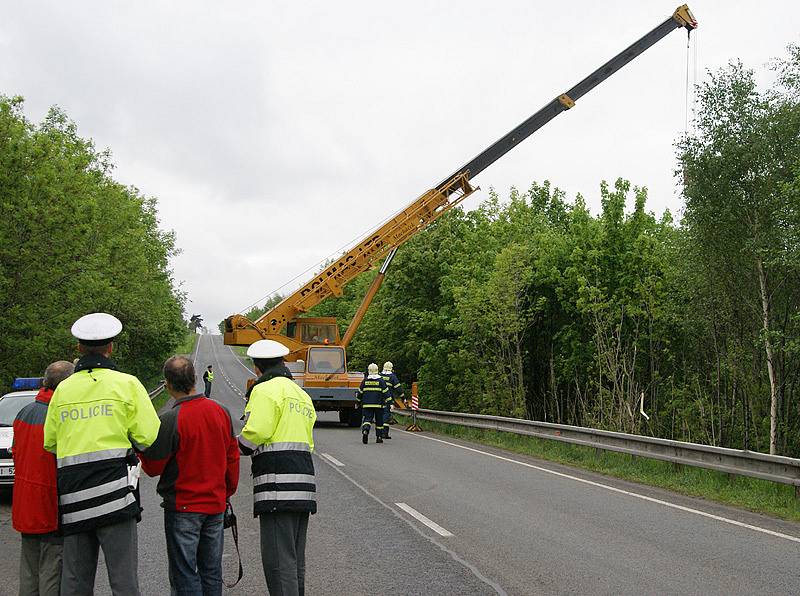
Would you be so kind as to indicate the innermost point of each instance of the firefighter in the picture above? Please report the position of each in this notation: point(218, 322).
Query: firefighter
point(278, 434)
point(395, 391)
point(208, 378)
point(372, 395)
point(96, 418)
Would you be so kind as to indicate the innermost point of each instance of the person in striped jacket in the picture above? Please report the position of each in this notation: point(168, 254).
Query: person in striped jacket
point(95, 420)
point(278, 435)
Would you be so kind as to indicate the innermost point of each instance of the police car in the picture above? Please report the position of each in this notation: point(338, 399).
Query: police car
point(10, 405)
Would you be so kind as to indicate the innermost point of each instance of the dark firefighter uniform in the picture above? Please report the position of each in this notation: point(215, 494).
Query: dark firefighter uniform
point(278, 434)
point(373, 395)
point(395, 390)
point(94, 419)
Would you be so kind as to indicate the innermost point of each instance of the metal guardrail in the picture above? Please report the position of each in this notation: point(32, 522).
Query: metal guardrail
point(776, 468)
point(152, 394)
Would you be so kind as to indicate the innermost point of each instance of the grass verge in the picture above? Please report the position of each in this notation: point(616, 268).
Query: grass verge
point(748, 493)
point(186, 347)
point(160, 399)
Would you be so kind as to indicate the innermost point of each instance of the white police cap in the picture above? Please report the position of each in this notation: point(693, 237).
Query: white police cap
point(97, 328)
point(267, 348)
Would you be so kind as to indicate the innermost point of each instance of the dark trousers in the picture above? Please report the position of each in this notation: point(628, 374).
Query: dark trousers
point(40, 565)
point(121, 551)
point(194, 549)
point(387, 415)
point(370, 414)
point(283, 551)
point(207, 391)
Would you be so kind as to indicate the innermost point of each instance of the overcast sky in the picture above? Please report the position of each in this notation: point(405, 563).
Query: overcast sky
point(273, 134)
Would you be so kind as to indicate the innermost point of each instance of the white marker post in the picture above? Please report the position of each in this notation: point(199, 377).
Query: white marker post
point(414, 427)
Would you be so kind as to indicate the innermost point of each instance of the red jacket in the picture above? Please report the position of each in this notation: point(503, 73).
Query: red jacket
point(34, 508)
point(197, 456)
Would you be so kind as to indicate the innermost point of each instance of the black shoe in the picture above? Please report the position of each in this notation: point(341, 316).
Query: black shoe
point(364, 437)
point(379, 440)
point(387, 436)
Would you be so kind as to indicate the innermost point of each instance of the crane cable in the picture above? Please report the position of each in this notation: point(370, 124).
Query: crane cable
point(691, 56)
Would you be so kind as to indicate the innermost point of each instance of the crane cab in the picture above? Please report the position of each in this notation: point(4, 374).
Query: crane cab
point(313, 331)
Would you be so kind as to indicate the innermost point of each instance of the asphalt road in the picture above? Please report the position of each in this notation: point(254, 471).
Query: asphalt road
point(494, 522)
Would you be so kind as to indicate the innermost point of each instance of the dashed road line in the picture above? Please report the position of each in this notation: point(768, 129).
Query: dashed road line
point(332, 459)
point(233, 387)
point(249, 372)
point(453, 555)
point(726, 520)
point(425, 520)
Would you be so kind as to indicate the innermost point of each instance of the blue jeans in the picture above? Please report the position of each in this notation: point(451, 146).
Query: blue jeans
point(194, 548)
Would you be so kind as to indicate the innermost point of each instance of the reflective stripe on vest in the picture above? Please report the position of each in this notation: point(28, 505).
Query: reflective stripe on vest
point(105, 508)
point(280, 478)
point(83, 458)
point(210, 376)
point(278, 446)
point(95, 491)
point(284, 495)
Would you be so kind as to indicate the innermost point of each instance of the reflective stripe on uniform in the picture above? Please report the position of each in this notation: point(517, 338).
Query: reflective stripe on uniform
point(284, 495)
point(83, 458)
point(249, 444)
point(276, 478)
point(372, 406)
point(95, 491)
point(285, 446)
point(110, 507)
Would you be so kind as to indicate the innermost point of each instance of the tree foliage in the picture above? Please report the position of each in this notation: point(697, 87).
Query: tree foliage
point(533, 306)
point(74, 241)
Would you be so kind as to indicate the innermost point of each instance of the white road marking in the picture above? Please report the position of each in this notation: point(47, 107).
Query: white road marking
point(621, 491)
point(332, 459)
point(250, 372)
point(196, 350)
point(431, 524)
point(453, 555)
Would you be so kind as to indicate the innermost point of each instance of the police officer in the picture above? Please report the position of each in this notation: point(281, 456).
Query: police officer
point(395, 391)
point(278, 435)
point(373, 395)
point(95, 419)
point(208, 378)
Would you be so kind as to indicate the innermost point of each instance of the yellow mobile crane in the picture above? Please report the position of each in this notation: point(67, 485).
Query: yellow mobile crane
point(317, 357)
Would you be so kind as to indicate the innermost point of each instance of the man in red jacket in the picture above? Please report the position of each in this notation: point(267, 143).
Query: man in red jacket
point(197, 456)
point(34, 508)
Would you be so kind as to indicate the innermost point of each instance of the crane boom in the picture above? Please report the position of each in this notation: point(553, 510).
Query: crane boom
point(429, 206)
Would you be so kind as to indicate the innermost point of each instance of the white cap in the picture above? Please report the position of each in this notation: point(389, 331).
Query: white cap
point(267, 348)
point(372, 368)
point(388, 366)
point(96, 328)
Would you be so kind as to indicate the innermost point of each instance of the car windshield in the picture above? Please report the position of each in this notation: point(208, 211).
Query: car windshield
point(10, 406)
point(326, 360)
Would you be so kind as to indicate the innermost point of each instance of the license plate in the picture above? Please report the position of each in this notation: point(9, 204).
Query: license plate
point(7, 471)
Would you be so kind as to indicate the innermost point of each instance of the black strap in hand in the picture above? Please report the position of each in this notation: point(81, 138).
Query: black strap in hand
point(229, 521)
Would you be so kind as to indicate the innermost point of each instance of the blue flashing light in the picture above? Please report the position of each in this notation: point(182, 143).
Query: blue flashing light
point(27, 383)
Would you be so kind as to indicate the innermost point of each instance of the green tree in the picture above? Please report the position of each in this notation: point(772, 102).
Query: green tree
point(742, 207)
point(73, 241)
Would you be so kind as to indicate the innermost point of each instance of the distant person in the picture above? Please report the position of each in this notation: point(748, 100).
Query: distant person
point(208, 378)
point(395, 391)
point(372, 395)
point(95, 419)
point(197, 456)
point(278, 435)
point(34, 508)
